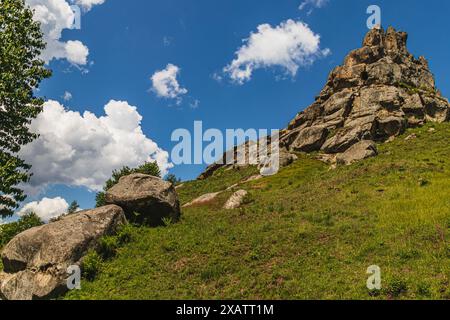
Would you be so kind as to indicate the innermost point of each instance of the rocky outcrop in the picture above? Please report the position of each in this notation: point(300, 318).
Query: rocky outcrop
point(35, 262)
point(250, 154)
point(379, 91)
point(145, 199)
point(235, 200)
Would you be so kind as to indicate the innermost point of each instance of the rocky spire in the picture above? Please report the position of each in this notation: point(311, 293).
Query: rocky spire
point(379, 91)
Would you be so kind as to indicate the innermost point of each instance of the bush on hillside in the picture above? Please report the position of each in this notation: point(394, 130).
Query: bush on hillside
point(173, 179)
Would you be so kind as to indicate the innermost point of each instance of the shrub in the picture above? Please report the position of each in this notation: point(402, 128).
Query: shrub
point(108, 247)
point(91, 265)
point(10, 230)
point(125, 234)
point(173, 179)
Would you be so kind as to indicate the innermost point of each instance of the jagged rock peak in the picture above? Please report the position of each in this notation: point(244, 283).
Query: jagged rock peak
point(379, 91)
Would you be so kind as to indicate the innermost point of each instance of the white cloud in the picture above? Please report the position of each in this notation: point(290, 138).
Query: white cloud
point(88, 4)
point(165, 83)
point(67, 96)
point(313, 3)
point(46, 209)
point(82, 149)
point(55, 16)
point(289, 45)
point(77, 52)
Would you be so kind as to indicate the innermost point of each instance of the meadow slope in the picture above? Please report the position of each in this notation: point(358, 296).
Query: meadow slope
point(307, 233)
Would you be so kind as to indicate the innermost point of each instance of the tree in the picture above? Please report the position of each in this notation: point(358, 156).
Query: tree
point(173, 179)
point(149, 168)
point(21, 71)
point(73, 208)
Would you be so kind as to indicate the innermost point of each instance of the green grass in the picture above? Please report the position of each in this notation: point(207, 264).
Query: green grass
point(307, 233)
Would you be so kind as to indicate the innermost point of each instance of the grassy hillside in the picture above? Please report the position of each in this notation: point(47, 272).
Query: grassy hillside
point(306, 233)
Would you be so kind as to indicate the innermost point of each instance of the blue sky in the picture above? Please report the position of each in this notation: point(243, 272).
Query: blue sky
point(130, 40)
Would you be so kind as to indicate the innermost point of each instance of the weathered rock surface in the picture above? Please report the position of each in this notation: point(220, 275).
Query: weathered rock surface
point(250, 153)
point(204, 199)
point(360, 151)
point(379, 91)
point(35, 262)
point(235, 200)
point(145, 199)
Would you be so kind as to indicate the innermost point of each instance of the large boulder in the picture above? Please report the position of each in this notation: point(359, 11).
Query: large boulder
point(35, 262)
point(145, 199)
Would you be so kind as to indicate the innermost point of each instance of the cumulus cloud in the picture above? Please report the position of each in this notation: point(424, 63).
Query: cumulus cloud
point(165, 83)
point(46, 209)
point(313, 4)
point(55, 16)
point(76, 52)
point(88, 4)
point(289, 45)
point(82, 149)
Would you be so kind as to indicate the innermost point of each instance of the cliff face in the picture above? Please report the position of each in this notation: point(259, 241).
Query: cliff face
point(379, 91)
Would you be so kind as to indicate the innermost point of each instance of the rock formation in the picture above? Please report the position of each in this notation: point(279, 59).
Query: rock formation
point(145, 199)
point(35, 262)
point(379, 91)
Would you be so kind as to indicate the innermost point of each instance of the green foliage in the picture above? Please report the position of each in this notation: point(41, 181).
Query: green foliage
point(21, 71)
point(107, 249)
point(308, 233)
point(73, 208)
point(91, 265)
point(167, 221)
point(10, 230)
point(173, 179)
point(149, 168)
point(413, 90)
point(125, 234)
